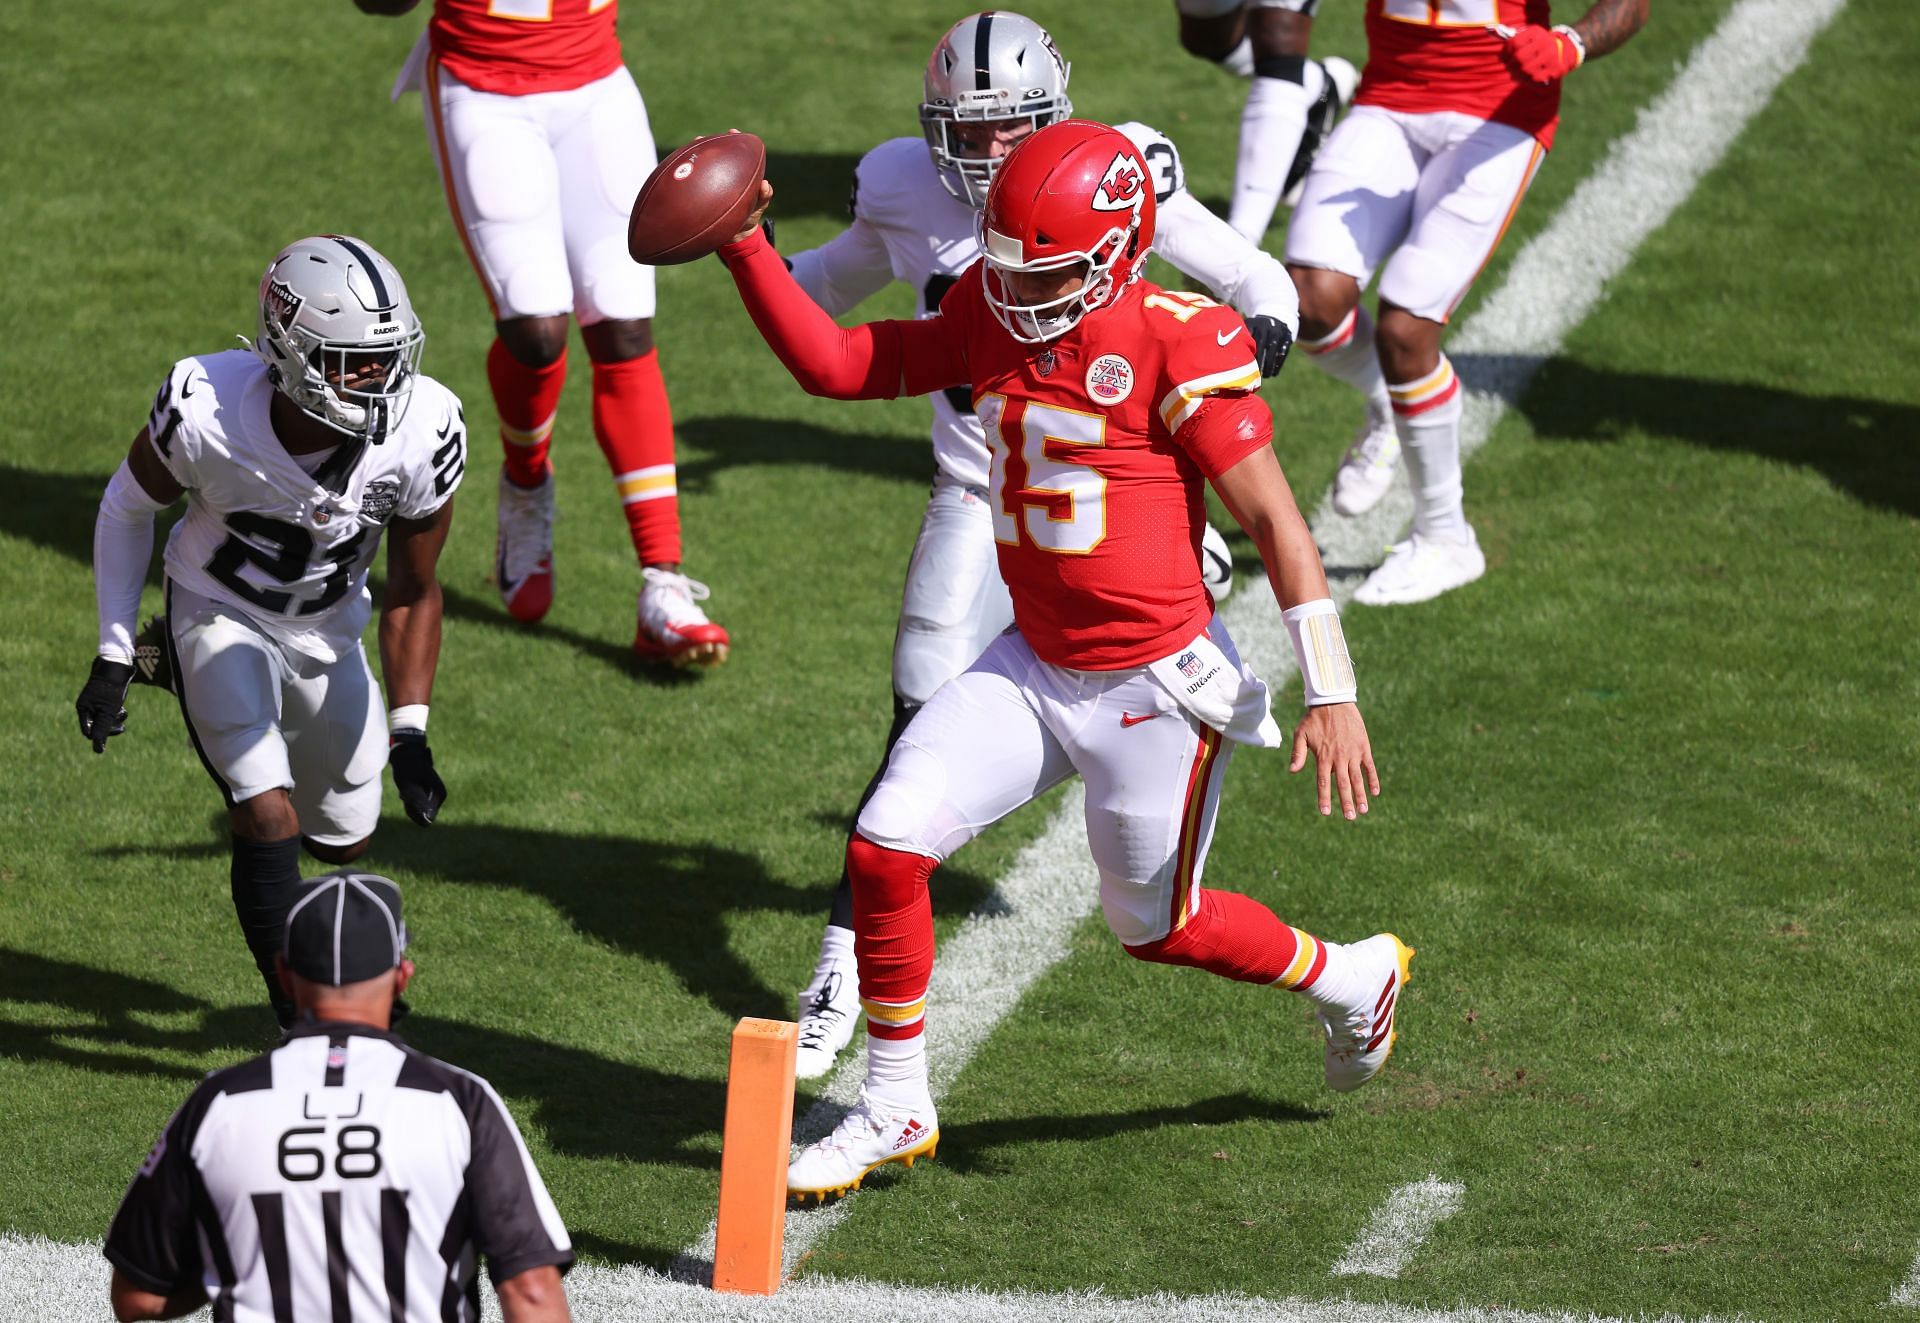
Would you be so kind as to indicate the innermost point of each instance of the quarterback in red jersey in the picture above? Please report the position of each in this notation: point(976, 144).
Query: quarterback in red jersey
point(1106, 402)
point(1457, 105)
point(542, 141)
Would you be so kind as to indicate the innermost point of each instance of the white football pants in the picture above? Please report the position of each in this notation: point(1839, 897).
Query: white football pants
point(954, 602)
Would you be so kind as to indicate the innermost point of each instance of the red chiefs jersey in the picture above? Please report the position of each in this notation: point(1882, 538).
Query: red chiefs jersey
point(517, 47)
point(1095, 480)
point(1429, 55)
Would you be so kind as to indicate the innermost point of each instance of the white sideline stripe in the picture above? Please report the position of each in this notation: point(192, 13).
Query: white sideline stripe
point(1398, 1228)
point(1907, 1294)
point(1554, 282)
point(42, 1281)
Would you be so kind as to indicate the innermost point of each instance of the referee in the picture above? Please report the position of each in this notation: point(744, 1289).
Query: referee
point(342, 1177)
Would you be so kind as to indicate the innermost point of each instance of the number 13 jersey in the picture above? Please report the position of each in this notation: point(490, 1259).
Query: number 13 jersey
point(1095, 478)
point(290, 549)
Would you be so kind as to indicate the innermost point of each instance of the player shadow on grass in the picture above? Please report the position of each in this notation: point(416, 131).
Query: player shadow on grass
point(1862, 447)
point(665, 902)
point(739, 441)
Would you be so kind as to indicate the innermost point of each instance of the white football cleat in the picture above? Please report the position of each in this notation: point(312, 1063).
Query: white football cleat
point(1216, 564)
point(1360, 1035)
point(1367, 469)
point(829, 1013)
point(672, 627)
point(523, 551)
point(871, 1135)
point(1420, 569)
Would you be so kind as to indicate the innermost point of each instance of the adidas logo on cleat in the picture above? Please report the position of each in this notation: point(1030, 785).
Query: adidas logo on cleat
point(910, 1135)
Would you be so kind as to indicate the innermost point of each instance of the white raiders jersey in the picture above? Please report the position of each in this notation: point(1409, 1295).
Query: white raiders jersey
point(287, 549)
point(906, 226)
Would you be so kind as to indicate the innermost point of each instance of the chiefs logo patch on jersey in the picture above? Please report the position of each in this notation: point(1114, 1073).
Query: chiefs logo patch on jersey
point(1122, 187)
point(1109, 379)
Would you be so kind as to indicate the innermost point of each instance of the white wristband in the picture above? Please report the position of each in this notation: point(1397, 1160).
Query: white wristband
point(1320, 646)
point(411, 716)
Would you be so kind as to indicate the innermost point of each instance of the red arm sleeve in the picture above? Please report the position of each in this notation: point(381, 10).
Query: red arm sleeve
point(1224, 430)
point(872, 361)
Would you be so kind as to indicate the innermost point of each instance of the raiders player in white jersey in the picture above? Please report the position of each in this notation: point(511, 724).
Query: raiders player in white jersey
point(295, 454)
point(993, 78)
point(344, 1174)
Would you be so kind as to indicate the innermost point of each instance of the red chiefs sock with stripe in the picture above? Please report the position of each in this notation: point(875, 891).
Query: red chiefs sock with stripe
point(1347, 354)
point(634, 425)
point(1426, 414)
point(526, 399)
point(1237, 937)
point(893, 946)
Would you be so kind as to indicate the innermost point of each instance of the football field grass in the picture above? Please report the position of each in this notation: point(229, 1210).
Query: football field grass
point(1650, 785)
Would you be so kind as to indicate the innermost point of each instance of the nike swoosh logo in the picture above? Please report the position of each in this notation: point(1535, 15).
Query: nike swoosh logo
point(442, 433)
point(1225, 338)
point(1128, 719)
point(186, 387)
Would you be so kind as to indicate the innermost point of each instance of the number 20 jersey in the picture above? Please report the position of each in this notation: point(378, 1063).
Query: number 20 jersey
point(289, 550)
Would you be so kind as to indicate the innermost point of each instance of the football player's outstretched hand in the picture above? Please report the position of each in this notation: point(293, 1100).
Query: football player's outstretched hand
point(422, 792)
point(1342, 757)
point(1542, 54)
point(1271, 341)
point(102, 704)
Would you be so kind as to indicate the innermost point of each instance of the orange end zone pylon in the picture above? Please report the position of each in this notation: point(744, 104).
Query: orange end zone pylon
point(753, 1157)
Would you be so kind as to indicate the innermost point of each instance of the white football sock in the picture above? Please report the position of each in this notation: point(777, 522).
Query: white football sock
point(836, 950)
point(1347, 354)
point(1239, 60)
point(1270, 127)
point(897, 1071)
point(1426, 414)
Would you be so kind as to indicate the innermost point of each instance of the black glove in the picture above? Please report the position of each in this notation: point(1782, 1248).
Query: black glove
point(1271, 341)
point(422, 792)
point(102, 704)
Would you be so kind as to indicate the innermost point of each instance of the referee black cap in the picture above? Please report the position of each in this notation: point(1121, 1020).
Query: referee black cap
point(345, 927)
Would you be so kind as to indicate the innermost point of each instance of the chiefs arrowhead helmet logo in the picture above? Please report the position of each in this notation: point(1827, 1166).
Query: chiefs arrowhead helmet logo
point(1122, 188)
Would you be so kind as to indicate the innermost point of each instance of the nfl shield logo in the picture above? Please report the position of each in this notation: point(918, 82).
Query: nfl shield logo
point(1189, 664)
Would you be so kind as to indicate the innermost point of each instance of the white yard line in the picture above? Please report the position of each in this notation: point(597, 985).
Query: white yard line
point(1907, 1294)
point(45, 1282)
point(1025, 927)
point(1398, 1227)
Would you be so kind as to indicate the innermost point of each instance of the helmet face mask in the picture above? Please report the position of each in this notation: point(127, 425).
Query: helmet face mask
point(1074, 196)
point(993, 78)
point(338, 335)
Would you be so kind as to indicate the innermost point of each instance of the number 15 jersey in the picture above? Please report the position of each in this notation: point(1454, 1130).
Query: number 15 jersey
point(1095, 477)
point(287, 548)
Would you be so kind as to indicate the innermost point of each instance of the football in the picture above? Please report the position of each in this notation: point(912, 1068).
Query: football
point(696, 199)
point(1216, 564)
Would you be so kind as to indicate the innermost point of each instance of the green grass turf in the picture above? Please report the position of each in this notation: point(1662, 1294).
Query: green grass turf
point(1650, 802)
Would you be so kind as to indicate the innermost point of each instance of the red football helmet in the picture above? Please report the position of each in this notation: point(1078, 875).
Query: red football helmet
point(1072, 193)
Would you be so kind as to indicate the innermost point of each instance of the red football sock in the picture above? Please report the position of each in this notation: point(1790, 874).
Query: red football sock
point(526, 398)
point(893, 936)
point(634, 424)
point(1237, 937)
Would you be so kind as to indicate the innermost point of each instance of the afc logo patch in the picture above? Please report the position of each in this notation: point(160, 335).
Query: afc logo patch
point(1109, 379)
point(378, 501)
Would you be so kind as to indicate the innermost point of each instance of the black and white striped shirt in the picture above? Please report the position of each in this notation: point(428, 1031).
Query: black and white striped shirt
point(341, 1176)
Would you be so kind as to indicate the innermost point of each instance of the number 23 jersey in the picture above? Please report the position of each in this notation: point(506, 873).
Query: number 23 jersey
point(1095, 479)
point(288, 549)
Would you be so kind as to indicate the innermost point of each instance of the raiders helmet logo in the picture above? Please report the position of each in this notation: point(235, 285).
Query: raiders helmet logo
point(282, 304)
point(1122, 188)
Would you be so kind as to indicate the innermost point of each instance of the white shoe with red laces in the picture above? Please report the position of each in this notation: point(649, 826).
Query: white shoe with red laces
point(523, 552)
point(1361, 1032)
point(672, 626)
point(873, 1134)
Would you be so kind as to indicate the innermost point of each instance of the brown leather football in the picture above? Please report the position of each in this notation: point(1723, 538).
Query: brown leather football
point(696, 199)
